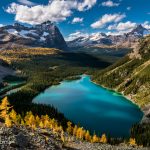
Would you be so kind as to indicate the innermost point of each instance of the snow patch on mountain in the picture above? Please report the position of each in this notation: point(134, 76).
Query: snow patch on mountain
point(101, 39)
point(41, 35)
point(12, 31)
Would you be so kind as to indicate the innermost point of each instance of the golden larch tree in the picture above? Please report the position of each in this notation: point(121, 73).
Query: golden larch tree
point(13, 116)
point(75, 130)
point(69, 128)
point(87, 136)
point(103, 139)
point(95, 138)
point(4, 108)
point(132, 142)
point(8, 121)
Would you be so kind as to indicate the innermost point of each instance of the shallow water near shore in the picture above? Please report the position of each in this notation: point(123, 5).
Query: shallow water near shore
point(92, 106)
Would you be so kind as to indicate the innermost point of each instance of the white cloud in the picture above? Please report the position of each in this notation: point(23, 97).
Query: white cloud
point(76, 35)
point(26, 2)
point(146, 25)
point(55, 11)
point(110, 3)
point(77, 20)
point(1, 25)
point(108, 18)
point(123, 26)
point(128, 8)
point(116, 33)
point(85, 4)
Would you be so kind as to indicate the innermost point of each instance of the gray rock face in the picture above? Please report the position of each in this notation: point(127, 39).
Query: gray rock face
point(21, 138)
point(42, 35)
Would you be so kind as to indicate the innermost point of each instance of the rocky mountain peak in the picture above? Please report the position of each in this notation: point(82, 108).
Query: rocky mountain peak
point(126, 40)
point(45, 26)
point(139, 30)
point(42, 35)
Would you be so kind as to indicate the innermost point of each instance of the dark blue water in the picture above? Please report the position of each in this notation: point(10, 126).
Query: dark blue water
point(95, 108)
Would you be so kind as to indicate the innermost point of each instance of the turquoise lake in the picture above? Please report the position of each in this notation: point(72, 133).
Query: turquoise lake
point(93, 107)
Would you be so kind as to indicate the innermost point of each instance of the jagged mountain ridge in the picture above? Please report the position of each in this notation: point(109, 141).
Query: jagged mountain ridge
point(101, 39)
point(42, 35)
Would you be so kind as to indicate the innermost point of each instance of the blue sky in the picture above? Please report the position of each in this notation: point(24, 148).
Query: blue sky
point(79, 16)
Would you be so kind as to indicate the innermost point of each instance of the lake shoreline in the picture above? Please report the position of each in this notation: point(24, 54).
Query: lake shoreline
point(128, 97)
point(90, 104)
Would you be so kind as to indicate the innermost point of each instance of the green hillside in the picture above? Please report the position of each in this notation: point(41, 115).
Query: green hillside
point(130, 75)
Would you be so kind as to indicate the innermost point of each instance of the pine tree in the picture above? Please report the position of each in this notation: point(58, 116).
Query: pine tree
point(132, 142)
point(103, 139)
point(80, 133)
point(41, 125)
point(69, 128)
point(8, 121)
point(13, 116)
point(62, 137)
point(87, 136)
point(75, 130)
point(31, 122)
point(4, 108)
point(37, 119)
point(22, 122)
point(95, 139)
point(19, 118)
point(46, 121)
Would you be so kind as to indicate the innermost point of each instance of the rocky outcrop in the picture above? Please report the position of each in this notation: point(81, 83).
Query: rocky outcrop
point(21, 138)
point(42, 35)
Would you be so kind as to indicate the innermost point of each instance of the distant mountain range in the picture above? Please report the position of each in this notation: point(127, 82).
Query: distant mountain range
point(101, 39)
point(42, 35)
point(48, 35)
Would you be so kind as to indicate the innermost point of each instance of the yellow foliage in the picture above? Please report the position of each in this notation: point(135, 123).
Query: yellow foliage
point(22, 122)
point(132, 142)
point(69, 129)
point(37, 119)
point(80, 133)
point(75, 130)
point(5, 103)
point(13, 116)
point(31, 121)
point(8, 121)
point(103, 139)
point(95, 139)
point(4, 108)
point(87, 136)
point(62, 136)
point(41, 125)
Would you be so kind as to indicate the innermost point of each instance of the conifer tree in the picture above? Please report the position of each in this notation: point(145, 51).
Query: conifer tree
point(31, 122)
point(13, 116)
point(80, 133)
point(87, 136)
point(75, 130)
point(132, 142)
point(37, 119)
point(41, 125)
point(46, 121)
point(103, 139)
point(62, 136)
point(95, 139)
point(22, 122)
point(69, 128)
point(8, 121)
point(4, 108)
